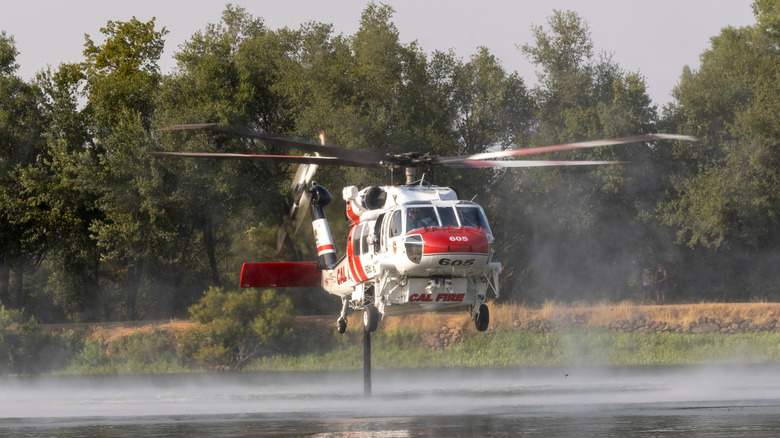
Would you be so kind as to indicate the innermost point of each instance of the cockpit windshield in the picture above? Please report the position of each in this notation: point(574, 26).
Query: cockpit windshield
point(420, 217)
point(470, 216)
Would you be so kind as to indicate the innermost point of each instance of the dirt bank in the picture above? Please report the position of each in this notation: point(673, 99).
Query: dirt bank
point(443, 329)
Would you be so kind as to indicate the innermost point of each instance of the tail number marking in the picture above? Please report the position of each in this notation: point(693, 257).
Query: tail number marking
point(448, 262)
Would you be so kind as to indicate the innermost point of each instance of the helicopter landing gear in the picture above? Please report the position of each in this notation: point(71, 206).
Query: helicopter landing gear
point(341, 325)
point(370, 318)
point(482, 318)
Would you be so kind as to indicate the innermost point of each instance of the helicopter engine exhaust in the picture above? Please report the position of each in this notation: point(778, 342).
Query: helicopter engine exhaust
point(372, 198)
point(325, 248)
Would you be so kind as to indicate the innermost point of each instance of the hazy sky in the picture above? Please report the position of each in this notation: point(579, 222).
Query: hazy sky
point(656, 38)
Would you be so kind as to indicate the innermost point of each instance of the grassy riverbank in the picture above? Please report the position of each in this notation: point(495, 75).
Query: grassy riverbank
point(399, 348)
point(559, 335)
point(607, 334)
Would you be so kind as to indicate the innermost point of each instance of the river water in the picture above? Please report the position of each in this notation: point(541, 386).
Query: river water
point(695, 401)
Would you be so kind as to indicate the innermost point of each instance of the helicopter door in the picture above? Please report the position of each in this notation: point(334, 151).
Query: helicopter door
point(395, 233)
point(377, 242)
point(365, 254)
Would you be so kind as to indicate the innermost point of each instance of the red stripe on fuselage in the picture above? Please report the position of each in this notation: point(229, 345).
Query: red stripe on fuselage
point(351, 252)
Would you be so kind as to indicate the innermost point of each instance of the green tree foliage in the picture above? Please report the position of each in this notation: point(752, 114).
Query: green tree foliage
point(234, 327)
point(121, 84)
point(226, 74)
point(62, 179)
point(493, 108)
point(122, 73)
point(21, 218)
point(727, 205)
point(731, 103)
point(94, 226)
point(368, 91)
point(572, 233)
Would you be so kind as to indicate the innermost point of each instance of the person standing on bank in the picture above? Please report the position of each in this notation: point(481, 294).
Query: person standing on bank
point(660, 285)
point(646, 284)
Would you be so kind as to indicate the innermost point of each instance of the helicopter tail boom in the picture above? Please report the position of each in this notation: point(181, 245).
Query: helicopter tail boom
point(281, 274)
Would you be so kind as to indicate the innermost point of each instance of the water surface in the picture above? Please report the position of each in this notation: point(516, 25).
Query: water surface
point(611, 402)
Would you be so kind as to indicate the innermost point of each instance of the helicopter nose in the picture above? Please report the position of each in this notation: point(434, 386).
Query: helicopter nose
point(455, 240)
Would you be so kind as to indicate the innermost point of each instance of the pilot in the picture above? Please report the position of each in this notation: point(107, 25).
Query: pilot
point(417, 219)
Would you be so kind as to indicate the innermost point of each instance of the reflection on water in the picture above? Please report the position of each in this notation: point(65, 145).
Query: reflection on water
point(684, 401)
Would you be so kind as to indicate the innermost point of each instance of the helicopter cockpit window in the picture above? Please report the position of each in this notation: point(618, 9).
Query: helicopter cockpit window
point(356, 240)
point(447, 216)
point(420, 217)
point(472, 217)
point(364, 239)
point(395, 224)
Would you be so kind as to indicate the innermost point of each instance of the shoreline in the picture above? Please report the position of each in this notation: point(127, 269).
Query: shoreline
point(441, 330)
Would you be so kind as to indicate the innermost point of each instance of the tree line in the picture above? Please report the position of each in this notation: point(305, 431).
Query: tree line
point(94, 227)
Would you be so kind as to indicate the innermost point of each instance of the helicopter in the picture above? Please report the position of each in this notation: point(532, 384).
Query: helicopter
point(411, 248)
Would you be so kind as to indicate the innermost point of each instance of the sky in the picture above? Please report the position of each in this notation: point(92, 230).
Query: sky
point(656, 38)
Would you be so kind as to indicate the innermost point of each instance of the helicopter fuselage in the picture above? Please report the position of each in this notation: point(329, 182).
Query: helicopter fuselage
point(413, 249)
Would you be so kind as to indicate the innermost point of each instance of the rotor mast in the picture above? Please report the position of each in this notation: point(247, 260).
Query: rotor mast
point(410, 175)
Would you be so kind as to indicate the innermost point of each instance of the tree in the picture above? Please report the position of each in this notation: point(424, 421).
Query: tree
point(492, 107)
point(69, 286)
point(730, 102)
point(727, 204)
point(565, 57)
point(20, 146)
point(8, 54)
point(121, 83)
point(572, 233)
point(122, 73)
point(226, 74)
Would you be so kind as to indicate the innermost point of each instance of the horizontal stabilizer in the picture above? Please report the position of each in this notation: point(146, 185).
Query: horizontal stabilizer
point(281, 274)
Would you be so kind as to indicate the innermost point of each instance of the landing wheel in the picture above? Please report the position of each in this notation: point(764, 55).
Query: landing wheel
point(483, 318)
point(341, 325)
point(370, 317)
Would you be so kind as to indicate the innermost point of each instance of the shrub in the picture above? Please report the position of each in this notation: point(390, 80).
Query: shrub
point(145, 352)
point(234, 327)
point(93, 358)
point(20, 342)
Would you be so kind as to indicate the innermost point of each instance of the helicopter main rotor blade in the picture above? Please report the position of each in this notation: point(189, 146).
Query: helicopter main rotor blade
point(352, 157)
point(524, 163)
point(563, 147)
point(295, 159)
point(340, 156)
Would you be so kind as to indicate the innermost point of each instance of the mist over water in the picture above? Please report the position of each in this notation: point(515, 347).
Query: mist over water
point(462, 402)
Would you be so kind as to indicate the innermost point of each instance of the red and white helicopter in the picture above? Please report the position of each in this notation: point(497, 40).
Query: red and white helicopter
point(410, 248)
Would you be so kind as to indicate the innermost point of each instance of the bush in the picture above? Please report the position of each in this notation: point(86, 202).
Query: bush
point(21, 343)
point(145, 352)
point(93, 358)
point(234, 327)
